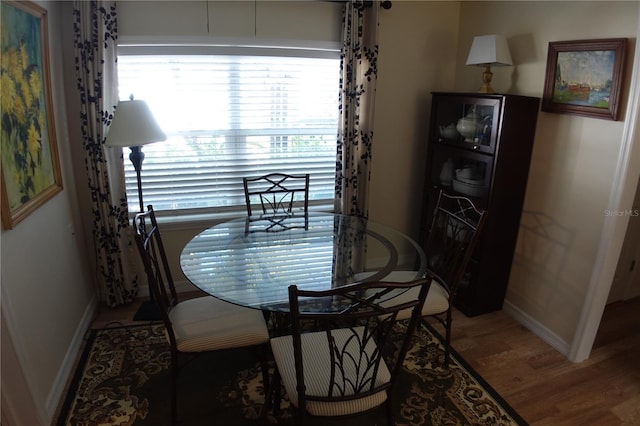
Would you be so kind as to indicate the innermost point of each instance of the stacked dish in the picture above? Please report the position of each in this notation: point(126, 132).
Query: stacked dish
point(469, 182)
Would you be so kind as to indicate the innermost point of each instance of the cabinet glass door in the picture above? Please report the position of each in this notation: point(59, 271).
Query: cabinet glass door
point(462, 172)
point(467, 122)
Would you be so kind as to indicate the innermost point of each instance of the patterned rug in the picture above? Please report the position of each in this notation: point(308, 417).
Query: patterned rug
point(122, 379)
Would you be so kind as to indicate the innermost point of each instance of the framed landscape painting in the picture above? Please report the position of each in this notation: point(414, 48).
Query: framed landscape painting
point(584, 77)
point(30, 162)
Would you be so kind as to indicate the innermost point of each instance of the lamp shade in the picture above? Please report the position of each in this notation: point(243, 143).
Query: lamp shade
point(133, 125)
point(489, 50)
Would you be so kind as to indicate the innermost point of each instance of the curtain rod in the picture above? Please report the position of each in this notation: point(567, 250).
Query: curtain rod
point(386, 4)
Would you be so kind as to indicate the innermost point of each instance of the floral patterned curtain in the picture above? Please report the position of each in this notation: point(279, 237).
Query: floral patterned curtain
point(95, 40)
point(358, 66)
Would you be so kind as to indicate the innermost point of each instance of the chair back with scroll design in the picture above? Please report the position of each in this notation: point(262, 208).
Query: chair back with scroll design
point(195, 325)
point(277, 193)
point(270, 223)
point(156, 265)
point(346, 347)
point(453, 236)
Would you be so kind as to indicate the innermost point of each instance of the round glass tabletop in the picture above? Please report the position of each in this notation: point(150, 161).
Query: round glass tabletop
point(251, 262)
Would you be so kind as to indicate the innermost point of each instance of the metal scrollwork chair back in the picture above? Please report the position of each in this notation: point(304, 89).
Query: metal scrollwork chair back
point(347, 362)
point(454, 233)
point(196, 325)
point(277, 193)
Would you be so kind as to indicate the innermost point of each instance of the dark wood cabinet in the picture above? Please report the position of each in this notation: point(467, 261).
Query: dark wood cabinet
point(480, 147)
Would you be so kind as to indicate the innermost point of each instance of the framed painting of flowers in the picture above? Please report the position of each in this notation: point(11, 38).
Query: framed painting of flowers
point(30, 162)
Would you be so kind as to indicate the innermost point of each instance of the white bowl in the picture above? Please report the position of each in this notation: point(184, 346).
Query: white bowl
point(466, 173)
point(469, 189)
point(471, 181)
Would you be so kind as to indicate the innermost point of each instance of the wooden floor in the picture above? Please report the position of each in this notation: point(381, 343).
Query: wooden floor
point(537, 381)
point(542, 385)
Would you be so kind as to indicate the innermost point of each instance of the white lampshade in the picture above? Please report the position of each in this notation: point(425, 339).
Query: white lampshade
point(489, 50)
point(133, 125)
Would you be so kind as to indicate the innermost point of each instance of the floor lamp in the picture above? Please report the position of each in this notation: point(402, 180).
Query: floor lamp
point(132, 126)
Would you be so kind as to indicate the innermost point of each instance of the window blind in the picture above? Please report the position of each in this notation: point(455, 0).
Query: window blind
point(229, 116)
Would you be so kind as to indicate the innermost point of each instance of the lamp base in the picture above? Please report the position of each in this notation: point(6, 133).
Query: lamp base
point(487, 75)
point(148, 311)
point(486, 89)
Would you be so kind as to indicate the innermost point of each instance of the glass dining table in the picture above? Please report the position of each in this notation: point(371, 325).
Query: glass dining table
point(252, 261)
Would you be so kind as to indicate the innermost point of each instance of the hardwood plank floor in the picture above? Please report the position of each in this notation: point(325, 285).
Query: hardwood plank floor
point(536, 380)
point(542, 385)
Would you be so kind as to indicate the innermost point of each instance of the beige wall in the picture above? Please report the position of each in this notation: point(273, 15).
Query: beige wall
point(47, 286)
point(574, 158)
point(418, 43)
point(46, 282)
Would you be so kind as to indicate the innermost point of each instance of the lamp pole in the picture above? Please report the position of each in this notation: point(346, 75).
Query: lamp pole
point(137, 157)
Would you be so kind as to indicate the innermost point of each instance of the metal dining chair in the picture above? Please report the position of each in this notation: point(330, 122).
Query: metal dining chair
point(346, 349)
point(195, 326)
point(277, 193)
point(454, 233)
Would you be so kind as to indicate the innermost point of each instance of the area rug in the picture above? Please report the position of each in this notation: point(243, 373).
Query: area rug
point(123, 379)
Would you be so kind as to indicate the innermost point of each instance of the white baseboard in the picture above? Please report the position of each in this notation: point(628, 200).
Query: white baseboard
point(538, 329)
point(67, 367)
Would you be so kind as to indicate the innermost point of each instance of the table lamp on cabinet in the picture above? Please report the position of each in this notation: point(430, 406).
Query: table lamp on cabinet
point(487, 50)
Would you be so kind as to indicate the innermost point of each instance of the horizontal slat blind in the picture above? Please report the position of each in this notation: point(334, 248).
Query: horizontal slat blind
point(230, 116)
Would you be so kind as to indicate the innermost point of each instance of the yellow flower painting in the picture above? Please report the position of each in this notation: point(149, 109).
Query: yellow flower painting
point(30, 164)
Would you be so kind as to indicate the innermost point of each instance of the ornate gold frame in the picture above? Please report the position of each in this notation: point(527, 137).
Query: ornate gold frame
point(30, 162)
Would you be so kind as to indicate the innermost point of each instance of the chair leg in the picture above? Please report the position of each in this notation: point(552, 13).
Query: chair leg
point(298, 416)
point(447, 344)
point(174, 388)
point(389, 409)
point(447, 336)
point(276, 386)
point(264, 363)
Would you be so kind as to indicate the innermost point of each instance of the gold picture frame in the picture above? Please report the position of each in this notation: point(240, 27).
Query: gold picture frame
point(30, 162)
point(584, 77)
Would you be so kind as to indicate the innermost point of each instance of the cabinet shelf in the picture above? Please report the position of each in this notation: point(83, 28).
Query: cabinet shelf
point(480, 147)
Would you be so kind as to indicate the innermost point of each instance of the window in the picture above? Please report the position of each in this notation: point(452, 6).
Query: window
point(229, 116)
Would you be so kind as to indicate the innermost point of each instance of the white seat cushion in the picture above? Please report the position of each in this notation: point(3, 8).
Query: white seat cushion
point(209, 324)
point(437, 300)
point(317, 367)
